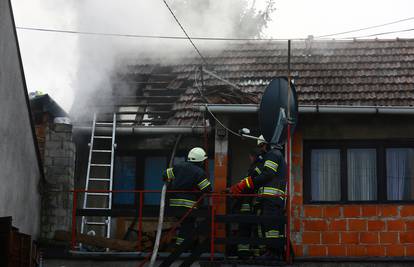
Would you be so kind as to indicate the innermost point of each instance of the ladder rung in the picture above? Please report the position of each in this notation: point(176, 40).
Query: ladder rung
point(100, 165)
point(96, 208)
point(100, 179)
point(104, 123)
point(96, 223)
point(98, 194)
point(102, 137)
point(101, 151)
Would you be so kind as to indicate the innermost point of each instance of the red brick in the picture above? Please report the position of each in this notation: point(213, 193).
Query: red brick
point(298, 249)
point(406, 237)
point(369, 211)
point(394, 250)
point(317, 250)
point(376, 225)
point(355, 250)
point(369, 238)
point(407, 211)
point(389, 238)
point(352, 211)
point(357, 225)
point(311, 237)
point(315, 225)
point(313, 212)
point(298, 187)
point(409, 225)
point(337, 225)
point(389, 211)
point(336, 250)
point(333, 211)
point(409, 251)
point(297, 200)
point(296, 225)
point(330, 237)
point(376, 251)
point(349, 238)
point(395, 225)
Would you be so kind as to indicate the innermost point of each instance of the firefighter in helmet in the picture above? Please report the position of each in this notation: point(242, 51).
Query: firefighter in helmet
point(247, 204)
point(270, 184)
point(186, 176)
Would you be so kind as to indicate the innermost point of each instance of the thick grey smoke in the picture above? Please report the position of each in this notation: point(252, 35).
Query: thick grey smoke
point(99, 56)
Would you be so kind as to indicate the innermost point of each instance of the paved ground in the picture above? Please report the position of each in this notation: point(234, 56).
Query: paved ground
point(90, 263)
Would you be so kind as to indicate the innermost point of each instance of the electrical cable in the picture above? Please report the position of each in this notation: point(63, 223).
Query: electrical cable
point(155, 36)
point(366, 28)
point(381, 33)
point(188, 37)
point(209, 111)
point(322, 37)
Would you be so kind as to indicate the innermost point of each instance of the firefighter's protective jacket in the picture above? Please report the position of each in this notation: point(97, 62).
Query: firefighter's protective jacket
point(186, 176)
point(271, 180)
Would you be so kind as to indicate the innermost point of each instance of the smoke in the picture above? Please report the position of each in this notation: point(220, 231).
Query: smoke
point(77, 69)
point(101, 57)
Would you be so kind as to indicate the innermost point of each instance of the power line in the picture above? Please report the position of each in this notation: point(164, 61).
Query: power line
point(367, 28)
point(194, 38)
point(381, 33)
point(155, 36)
point(188, 37)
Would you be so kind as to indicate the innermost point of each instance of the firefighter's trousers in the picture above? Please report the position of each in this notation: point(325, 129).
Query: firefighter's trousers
point(188, 238)
point(273, 229)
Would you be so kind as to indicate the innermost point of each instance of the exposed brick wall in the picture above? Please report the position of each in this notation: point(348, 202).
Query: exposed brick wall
point(347, 230)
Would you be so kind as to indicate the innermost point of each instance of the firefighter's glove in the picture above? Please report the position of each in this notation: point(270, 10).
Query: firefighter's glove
point(244, 184)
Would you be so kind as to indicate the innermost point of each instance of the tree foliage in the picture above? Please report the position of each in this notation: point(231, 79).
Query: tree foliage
point(224, 18)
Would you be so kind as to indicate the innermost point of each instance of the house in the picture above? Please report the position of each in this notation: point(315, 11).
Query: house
point(352, 182)
point(21, 172)
point(20, 164)
point(57, 151)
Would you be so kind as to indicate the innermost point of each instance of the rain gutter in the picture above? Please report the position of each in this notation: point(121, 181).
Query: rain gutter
point(328, 109)
point(144, 130)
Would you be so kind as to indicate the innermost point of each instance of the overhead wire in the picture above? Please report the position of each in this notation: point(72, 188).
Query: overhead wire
point(170, 37)
point(188, 37)
point(154, 36)
point(211, 73)
point(208, 109)
point(366, 28)
point(381, 33)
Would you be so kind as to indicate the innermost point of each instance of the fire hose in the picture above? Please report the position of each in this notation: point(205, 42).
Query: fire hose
point(162, 207)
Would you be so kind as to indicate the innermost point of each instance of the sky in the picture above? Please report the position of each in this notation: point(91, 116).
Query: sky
point(63, 65)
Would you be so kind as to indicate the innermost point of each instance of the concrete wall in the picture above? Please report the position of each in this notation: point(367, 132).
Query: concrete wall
point(19, 169)
point(59, 167)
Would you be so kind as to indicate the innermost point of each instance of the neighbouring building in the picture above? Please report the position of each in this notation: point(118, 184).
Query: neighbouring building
point(21, 171)
point(352, 187)
point(57, 150)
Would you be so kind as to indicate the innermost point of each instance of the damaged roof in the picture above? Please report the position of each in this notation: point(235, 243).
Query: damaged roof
point(332, 72)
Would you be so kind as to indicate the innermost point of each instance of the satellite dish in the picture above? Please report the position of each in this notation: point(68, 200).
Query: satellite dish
point(273, 110)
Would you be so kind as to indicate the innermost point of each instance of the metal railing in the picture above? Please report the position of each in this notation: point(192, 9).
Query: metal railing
point(214, 203)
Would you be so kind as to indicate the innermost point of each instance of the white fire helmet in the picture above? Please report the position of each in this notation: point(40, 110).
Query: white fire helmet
point(197, 154)
point(261, 140)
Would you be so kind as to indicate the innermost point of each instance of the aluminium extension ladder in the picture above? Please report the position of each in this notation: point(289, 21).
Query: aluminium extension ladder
point(103, 223)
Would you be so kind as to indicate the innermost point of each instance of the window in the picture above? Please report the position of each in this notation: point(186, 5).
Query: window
point(362, 174)
point(325, 174)
point(400, 172)
point(154, 167)
point(358, 171)
point(124, 179)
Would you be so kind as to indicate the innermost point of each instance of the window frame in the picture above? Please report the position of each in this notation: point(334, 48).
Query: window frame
point(379, 145)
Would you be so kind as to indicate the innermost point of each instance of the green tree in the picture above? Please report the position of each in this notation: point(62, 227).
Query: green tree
point(224, 18)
